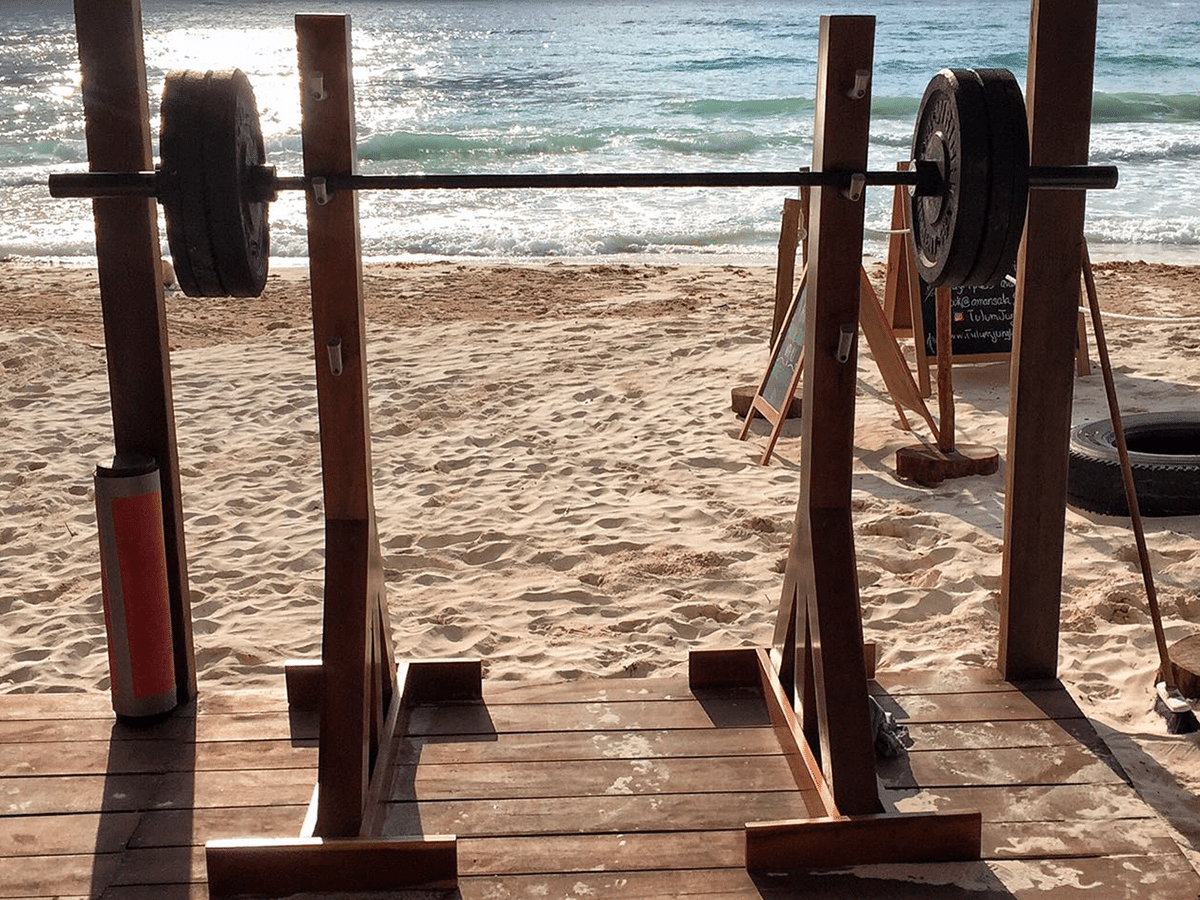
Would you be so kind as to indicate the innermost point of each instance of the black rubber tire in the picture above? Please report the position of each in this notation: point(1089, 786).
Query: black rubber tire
point(1164, 452)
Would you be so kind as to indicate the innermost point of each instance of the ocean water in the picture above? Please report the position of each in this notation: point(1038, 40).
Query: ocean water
point(574, 86)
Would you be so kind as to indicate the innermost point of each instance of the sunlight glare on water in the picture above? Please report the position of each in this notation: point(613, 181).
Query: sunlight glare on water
point(574, 86)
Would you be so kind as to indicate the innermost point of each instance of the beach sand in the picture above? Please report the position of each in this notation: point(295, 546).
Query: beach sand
point(560, 489)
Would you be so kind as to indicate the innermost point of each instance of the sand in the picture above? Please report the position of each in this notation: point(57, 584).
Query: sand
point(560, 488)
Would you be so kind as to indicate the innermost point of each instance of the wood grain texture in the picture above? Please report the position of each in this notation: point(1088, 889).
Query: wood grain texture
point(863, 840)
point(825, 533)
point(141, 835)
point(289, 866)
point(1059, 97)
point(358, 669)
point(129, 270)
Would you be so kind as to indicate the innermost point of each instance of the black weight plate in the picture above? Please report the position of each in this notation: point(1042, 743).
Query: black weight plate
point(210, 141)
point(181, 186)
point(1008, 133)
point(951, 131)
point(240, 234)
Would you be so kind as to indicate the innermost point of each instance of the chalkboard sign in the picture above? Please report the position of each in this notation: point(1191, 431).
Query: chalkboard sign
point(777, 389)
point(981, 319)
point(779, 382)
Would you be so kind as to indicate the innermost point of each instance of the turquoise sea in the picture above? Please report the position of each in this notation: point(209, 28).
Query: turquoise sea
point(573, 86)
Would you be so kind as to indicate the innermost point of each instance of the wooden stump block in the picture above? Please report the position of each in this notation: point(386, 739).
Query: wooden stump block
point(743, 396)
point(1185, 665)
point(929, 466)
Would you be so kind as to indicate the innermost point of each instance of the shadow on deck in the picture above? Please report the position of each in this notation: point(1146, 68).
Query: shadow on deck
point(630, 788)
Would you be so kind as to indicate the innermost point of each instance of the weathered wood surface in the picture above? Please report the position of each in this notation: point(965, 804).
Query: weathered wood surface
point(1055, 818)
point(117, 122)
point(821, 557)
point(1062, 45)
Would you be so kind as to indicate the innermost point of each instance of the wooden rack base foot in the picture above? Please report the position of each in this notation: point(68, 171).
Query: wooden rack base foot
point(282, 866)
point(832, 839)
point(929, 465)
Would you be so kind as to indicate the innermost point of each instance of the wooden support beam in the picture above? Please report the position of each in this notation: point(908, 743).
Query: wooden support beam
point(887, 838)
point(129, 268)
point(785, 267)
point(418, 681)
point(346, 745)
point(1059, 96)
point(359, 668)
point(823, 552)
point(335, 267)
point(901, 285)
point(790, 731)
point(721, 668)
point(286, 866)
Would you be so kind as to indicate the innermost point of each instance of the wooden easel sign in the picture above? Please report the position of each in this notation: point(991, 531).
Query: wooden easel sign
point(782, 376)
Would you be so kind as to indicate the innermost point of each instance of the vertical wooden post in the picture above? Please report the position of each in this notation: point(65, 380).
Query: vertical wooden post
point(129, 268)
point(901, 284)
point(1059, 96)
point(785, 268)
point(359, 673)
point(945, 375)
point(825, 533)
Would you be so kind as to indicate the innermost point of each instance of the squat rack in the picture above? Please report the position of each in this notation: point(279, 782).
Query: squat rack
point(817, 657)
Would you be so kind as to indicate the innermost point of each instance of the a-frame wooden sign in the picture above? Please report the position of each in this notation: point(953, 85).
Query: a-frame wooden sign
point(782, 376)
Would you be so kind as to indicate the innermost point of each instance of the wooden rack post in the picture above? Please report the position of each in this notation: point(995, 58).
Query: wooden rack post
point(1062, 48)
point(361, 705)
point(823, 519)
point(356, 649)
point(902, 283)
point(818, 643)
point(791, 222)
point(117, 113)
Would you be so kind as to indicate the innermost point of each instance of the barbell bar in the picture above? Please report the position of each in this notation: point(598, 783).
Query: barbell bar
point(968, 178)
point(924, 179)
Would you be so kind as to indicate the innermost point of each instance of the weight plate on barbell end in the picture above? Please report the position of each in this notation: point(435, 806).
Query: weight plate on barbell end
point(210, 144)
point(1008, 191)
point(181, 186)
point(951, 131)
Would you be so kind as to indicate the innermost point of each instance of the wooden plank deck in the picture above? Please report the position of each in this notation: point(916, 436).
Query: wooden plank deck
point(605, 789)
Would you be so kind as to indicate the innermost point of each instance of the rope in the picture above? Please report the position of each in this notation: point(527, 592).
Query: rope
point(1179, 320)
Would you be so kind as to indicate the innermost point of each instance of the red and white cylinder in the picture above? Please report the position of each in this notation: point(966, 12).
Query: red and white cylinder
point(133, 570)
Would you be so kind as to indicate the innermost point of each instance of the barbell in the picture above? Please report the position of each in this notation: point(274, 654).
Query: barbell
point(968, 178)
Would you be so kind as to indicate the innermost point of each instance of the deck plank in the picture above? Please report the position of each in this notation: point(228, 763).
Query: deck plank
point(1077, 840)
point(63, 835)
point(618, 813)
point(635, 715)
point(149, 757)
point(985, 706)
point(91, 805)
point(84, 874)
point(567, 854)
point(563, 747)
point(1055, 764)
point(1034, 803)
point(47, 795)
point(591, 778)
point(239, 727)
point(183, 827)
point(989, 734)
point(951, 680)
point(610, 690)
point(711, 884)
point(1131, 877)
